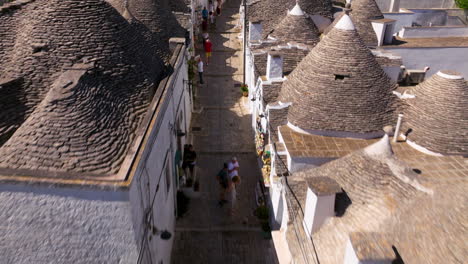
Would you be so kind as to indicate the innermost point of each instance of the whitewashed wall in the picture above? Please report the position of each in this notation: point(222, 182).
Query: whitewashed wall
point(159, 154)
point(455, 59)
point(433, 32)
point(402, 20)
point(384, 5)
point(65, 225)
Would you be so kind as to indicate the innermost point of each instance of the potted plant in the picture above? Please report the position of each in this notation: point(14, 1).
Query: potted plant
point(245, 90)
point(263, 214)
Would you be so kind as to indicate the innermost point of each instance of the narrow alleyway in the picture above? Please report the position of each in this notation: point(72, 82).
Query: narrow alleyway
point(206, 233)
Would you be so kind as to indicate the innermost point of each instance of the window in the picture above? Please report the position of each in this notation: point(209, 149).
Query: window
point(342, 201)
point(341, 76)
point(168, 176)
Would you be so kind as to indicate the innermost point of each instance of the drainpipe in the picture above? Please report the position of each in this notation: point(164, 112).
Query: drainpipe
point(397, 129)
point(245, 37)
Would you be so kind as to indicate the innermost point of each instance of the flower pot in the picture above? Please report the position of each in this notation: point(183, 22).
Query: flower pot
point(245, 94)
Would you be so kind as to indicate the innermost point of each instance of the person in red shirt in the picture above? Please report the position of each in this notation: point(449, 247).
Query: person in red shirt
point(208, 46)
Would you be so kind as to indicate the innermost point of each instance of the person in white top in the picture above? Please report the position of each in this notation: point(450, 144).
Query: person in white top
point(233, 167)
point(200, 69)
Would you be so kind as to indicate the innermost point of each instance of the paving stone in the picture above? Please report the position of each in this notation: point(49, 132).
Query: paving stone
point(207, 234)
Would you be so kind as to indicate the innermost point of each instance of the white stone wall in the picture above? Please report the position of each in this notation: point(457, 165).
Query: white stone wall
point(455, 59)
point(274, 67)
point(433, 32)
point(402, 20)
point(384, 5)
point(65, 225)
point(160, 151)
point(317, 210)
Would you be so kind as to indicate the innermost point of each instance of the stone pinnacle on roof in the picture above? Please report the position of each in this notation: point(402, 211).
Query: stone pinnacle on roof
point(296, 27)
point(345, 23)
point(381, 148)
point(363, 11)
point(296, 11)
point(438, 115)
point(339, 86)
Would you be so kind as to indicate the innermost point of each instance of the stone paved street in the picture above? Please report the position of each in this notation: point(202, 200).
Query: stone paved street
point(206, 233)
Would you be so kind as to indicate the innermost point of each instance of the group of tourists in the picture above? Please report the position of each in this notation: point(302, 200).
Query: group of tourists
point(229, 181)
point(208, 16)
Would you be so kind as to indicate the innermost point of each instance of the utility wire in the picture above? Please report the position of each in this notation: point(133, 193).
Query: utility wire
point(289, 173)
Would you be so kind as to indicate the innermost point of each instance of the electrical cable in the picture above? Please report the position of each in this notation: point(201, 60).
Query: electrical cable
point(290, 189)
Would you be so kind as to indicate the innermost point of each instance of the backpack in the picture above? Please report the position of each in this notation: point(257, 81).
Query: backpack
point(223, 178)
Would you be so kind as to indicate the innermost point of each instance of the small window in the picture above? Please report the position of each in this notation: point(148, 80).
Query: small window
point(342, 202)
point(341, 76)
point(168, 176)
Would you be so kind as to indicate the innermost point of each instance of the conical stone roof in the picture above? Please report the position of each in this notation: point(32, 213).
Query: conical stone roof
point(86, 77)
point(296, 27)
point(271, 12)
point(438, 115)
point(363, 11)
point(156, 15)
point(340, 86)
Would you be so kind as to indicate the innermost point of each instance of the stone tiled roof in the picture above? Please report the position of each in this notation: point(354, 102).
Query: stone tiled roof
point(302, 145)
point(363, 11)
point(297, 28)
point(292, 55)
point(377, 184)
point(81, 78)
point(370, 245)
point(271, 92)
point(157, 17)
point(438, 115)
point(271, 12)
point(433, 229)
point(416, 205)
point(339, 86)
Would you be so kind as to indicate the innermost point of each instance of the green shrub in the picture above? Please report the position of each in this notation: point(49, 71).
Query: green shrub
point(244, 88)
point(462, 3)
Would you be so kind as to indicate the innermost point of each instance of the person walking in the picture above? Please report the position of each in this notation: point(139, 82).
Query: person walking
point(211, 6)
point(204, 13)
point(200, 69)
point(223, 180)
point(189, 160)
point(218, 7)
point(233, 167)
point(212, 19)
point(208, 45)
point(232, 190)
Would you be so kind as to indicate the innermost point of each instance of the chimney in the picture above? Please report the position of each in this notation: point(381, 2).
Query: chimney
point(173, 42)
point(255, 31)
point(274, 69)
point(384, 28)
point(320, 202)
point(394, 6)
point(370, 248)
